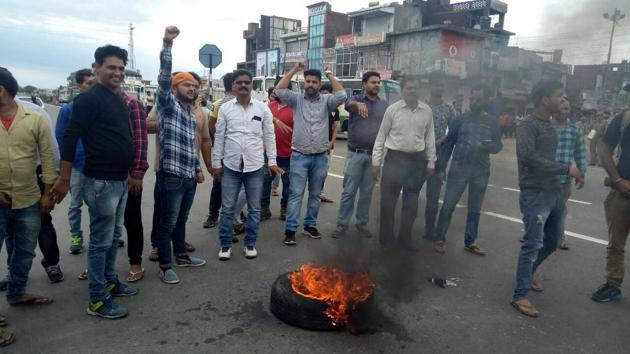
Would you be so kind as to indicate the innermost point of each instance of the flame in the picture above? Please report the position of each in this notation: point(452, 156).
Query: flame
point(341, 291)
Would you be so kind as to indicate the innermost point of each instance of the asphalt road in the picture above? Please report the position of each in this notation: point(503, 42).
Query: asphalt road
point(224, 306)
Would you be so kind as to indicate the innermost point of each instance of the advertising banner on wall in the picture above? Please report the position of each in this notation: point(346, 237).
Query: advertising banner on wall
point(345, 41)
point(268, 62)
point(370, 39)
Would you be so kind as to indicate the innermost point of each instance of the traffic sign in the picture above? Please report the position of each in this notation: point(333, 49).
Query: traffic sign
point(210, 56)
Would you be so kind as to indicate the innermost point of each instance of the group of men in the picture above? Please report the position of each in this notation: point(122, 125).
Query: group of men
point(102, 136)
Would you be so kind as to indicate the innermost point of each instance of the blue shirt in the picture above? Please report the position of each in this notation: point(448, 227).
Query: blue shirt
point(176, 125)
point(362, 131)
point(471, 139)
point(62, 122)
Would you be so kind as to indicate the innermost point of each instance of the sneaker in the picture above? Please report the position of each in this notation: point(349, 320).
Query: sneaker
point(169, 276)
point(250, 252)
point(225, 253)
point(265, 213)
point(283, 213)
point(153, 255)
point(311, 232)
point(210, 222)
point(76, 244)
point(363, 230)
point(606, 293)
point(289, 238)
point(121, 243)
point(121, 290)
point(563, 245)
point(55, 275)
point(107, 309)
point(339, 232)
point(188, 261)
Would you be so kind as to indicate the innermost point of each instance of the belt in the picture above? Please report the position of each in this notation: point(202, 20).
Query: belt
point(361, 151)
point(314, 154)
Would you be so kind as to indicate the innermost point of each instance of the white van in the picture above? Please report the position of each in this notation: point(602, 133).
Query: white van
point(261, 84)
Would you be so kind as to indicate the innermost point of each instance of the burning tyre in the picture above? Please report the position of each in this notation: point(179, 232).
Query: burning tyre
point(321, 298)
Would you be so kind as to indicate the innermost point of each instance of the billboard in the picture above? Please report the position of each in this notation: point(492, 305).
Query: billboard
point(268, 62)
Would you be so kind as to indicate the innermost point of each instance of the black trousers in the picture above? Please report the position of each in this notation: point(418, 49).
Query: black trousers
point(404, 171)
point(47, 239)
point(215, 199)
point(133, 225)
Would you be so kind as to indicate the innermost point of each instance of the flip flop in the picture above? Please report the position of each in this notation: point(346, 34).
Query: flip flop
point(135, 276)
point(527, 310)
point(439, 247)
point(6, 337)
point(537, 288)
point(31, 299)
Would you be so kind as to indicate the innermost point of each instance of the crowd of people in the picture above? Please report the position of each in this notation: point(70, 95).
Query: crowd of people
point(97, 152)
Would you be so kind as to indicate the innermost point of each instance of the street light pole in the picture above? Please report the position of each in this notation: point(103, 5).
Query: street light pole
point(614, 18)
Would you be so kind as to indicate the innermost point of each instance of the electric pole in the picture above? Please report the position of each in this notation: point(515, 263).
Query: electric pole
point(132, 54)
point(614, 18)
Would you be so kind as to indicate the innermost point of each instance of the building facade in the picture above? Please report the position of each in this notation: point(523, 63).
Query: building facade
point(324, 25)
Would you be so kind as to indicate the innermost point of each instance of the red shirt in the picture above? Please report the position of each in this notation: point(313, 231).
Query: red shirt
point(8, 120)
point(283, 140)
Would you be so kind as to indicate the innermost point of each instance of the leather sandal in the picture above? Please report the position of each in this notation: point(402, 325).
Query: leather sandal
point(135, 276)
point(526, 309)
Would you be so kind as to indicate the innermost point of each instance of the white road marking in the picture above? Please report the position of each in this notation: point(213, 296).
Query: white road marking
point(568, 233)
point(571, 200)
point(519, 221)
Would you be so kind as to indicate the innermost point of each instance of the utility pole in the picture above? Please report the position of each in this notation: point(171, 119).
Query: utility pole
point(614, 18)
point(132, 54)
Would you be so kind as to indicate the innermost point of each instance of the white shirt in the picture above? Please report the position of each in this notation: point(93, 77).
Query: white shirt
point(406, 130)
point(239, 136)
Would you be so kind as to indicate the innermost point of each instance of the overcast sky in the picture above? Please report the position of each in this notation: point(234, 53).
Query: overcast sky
point(43, 41)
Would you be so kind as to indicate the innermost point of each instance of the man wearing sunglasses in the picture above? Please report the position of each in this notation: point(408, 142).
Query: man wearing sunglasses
point(238, 158)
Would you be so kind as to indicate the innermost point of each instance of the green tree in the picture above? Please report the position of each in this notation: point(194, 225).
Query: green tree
point(29, 89)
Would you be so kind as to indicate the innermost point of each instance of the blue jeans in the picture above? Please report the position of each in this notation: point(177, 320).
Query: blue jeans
point(76, 201)
point(231, 183)
point(543, 217)
point(106, 202)
point(285, 164)
point(305, 168)
point(357, 176)
point(458, 179)
point(22, 225)
point(176, 199)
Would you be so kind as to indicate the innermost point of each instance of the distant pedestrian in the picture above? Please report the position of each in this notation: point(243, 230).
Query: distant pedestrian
point(570, 150)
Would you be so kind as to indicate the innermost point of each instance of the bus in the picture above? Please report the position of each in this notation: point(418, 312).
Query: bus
point(390, 92)
point(261, 84)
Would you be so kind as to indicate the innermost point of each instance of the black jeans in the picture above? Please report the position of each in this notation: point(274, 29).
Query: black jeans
point(285, 164)
point(47, 235)
point(215, 199)
point(404, 171)
point(133, 225)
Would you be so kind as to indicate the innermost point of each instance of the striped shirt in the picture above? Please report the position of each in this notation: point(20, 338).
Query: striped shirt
point(570, 148)
point(176, 125)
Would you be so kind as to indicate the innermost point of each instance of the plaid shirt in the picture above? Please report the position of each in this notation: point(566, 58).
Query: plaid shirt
point(570, 148)
point(138, 129)
point(443, 113)
point(176, 125)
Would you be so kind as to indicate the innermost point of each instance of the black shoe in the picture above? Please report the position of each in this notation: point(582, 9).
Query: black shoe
point(211, 222)
point(311, 232)
point(55, 275)
point(606, 293)
point(289, 238)
point(121, 243)
point(363, 230)
point(265, 213)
